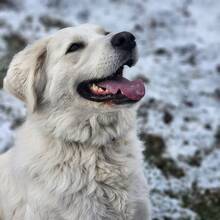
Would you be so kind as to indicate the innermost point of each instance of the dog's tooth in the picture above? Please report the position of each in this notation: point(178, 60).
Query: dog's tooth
point(93, 86)
point(100, 90)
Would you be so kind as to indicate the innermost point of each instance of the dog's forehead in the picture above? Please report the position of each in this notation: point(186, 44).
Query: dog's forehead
point(87, 30)
point(61, 40)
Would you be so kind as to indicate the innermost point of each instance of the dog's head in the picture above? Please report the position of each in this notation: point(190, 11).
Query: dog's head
point(83, 63)
point(78, 69)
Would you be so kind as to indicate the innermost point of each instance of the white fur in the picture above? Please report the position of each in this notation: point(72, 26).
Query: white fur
point(73, 159)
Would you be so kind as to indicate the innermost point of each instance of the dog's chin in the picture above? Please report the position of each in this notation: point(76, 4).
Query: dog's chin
point(113, 89)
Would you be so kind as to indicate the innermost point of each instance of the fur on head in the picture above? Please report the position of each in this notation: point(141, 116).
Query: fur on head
point(56, 76)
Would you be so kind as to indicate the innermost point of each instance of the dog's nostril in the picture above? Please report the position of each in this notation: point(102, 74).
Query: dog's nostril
point(132, 37)
point(123, 40)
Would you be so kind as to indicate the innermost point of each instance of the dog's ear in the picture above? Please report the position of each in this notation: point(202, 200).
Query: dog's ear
point(26, 76)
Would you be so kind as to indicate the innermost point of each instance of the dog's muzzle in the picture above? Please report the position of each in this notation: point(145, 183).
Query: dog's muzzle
point(115, 88)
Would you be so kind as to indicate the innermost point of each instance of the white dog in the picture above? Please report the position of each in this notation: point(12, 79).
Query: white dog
point(77, 156)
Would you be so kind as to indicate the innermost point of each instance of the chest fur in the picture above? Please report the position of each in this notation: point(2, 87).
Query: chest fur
point(96, 178)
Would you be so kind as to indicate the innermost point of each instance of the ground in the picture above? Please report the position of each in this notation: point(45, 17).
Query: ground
point(179, 119)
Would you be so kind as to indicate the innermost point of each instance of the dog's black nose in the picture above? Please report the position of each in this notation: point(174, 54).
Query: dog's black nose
point(124, 41)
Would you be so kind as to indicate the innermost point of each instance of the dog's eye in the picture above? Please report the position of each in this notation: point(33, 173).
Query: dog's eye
point(107, 33)
point(75, 46)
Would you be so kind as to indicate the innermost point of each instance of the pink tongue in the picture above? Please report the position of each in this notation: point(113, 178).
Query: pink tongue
point(133, 90)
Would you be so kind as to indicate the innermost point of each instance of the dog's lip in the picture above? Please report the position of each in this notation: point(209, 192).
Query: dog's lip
point(113, 88)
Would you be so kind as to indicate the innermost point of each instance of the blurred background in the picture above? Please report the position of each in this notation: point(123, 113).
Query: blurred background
point(179, 119)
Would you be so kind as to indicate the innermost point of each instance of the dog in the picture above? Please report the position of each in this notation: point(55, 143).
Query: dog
point(77, 155)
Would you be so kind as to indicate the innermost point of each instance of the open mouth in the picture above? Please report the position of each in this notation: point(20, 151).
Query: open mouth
point(114, 88)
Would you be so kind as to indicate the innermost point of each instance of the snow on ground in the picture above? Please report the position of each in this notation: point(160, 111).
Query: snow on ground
point(12, 113)
point(179, 120)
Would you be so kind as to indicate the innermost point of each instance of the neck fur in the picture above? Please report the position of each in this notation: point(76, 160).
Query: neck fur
point(91, 129)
